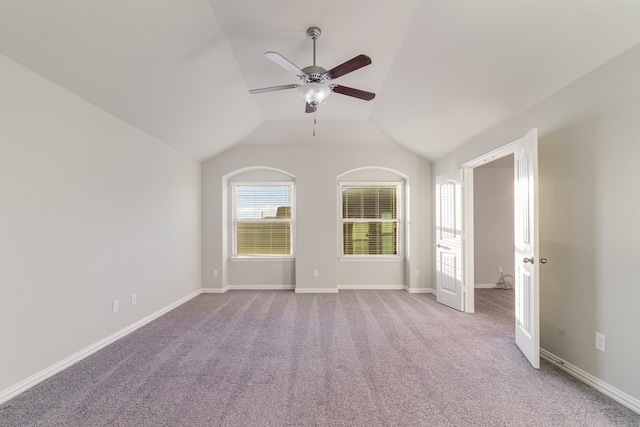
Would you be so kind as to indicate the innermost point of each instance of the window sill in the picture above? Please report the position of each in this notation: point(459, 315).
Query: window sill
point(257, 258)
point(370, 258)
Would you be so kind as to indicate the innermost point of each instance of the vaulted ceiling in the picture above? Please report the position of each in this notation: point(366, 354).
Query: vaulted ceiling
point(444, 71)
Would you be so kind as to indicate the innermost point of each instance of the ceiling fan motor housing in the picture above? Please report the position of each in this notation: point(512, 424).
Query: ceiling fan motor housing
point(314, 74)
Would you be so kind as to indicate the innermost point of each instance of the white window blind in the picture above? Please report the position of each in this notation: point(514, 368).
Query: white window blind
point(370, 219)
point(263, 219)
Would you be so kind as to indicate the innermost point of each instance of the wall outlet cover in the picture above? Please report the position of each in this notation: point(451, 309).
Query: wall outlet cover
point(601, 342)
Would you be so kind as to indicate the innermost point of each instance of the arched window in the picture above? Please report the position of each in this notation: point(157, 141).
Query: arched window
point(371, 214)
point(262, 214)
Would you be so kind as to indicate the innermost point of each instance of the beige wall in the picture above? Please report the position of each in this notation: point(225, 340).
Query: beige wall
point(92, 210)
point(493, 222)
point(316, 170)
point(589, 207)
point(589, 231)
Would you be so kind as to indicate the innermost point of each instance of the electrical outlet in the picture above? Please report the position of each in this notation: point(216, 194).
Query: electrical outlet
point(215, 273)
point(114, 306)
point(316, 273)
point(417, 273)
point(601, 342)
point(499, 270)
point(134, 300)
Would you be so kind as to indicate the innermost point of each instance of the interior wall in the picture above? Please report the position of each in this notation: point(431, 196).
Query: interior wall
point(252, 273)
point(92, 210)
point(589, 231)
point(316, 169)
point(493, 222)
point(588, 205)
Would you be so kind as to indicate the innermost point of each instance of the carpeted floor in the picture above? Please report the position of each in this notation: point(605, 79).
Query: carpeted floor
point(357, 358)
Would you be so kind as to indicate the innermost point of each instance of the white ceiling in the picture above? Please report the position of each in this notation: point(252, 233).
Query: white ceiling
point(444, 71)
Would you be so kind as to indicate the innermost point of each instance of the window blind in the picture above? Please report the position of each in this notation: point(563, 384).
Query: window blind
point(263, 219)
point(370, 217)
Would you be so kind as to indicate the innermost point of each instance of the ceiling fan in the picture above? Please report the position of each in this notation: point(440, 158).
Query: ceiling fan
point(314, 88)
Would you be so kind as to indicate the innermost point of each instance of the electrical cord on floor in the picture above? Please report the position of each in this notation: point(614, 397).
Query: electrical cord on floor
point(505, 282)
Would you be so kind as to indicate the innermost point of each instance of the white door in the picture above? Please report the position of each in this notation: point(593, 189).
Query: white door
point(449, 240)
point(526, 247)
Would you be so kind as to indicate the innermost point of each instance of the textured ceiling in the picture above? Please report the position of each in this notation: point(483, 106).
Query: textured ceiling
point(444, 71)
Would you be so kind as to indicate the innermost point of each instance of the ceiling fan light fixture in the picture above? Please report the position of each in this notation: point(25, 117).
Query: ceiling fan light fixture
point(314, 93)
point(314, 88)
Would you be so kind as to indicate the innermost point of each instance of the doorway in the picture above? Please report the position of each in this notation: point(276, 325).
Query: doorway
point(493, 222)
point(526, 240)
point(494, 236)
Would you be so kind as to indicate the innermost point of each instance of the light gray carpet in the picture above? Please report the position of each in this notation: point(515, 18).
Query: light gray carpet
point(357, 358)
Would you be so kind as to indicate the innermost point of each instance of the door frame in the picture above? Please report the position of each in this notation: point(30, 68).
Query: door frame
point(468, 218)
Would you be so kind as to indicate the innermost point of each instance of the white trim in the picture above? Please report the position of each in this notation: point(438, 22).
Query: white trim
point(420, 290)
point(489, 157)
point(262, 258)
point(372, 287)
point(235, 220)
point(594, 382)
point(468, 217)
point(484, 285)
point(261, 287)
point(37, 378)
point(316, 290)
point(401, 209)
point(215, 290)
point(370, 258)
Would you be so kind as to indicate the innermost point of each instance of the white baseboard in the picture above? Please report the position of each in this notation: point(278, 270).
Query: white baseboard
point(261, 287)
point(594, 382)
point(215, 290)
point(31, 381)
point(420, 290)
point(372, 287)
point(484, 285)
point(248, 288)
point(316, 290)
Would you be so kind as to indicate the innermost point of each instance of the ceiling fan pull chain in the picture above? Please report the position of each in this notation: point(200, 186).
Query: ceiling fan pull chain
point(314, 124)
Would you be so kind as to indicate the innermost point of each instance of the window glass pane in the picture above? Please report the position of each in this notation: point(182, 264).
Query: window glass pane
point(370, 238)
point(370, 219)
point(374, 202)
point(263, 219)
point(263, 238)
point(263, 201)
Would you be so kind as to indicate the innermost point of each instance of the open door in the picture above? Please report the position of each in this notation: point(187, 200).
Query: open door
point(449, 240)
point(527, 279)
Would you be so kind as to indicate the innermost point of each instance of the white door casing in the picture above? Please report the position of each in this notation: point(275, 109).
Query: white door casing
point(527, 278)
point(449, 281)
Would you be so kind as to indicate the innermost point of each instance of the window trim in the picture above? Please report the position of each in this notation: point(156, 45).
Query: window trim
point(400, 185)
point(234, 256)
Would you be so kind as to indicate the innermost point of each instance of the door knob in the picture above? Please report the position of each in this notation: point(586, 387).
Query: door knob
point(543, 260)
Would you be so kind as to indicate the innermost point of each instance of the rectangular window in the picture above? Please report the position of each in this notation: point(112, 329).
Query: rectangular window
point(263, 218)
point(370, 219)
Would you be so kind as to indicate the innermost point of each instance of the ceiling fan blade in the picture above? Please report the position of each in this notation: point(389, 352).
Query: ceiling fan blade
point(309, 108)
point(274, 88)
point(284, 63)
point(356, 93)
point(349, 66)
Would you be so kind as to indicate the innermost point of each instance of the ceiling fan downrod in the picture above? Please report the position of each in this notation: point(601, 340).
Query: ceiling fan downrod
point(314, 33)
